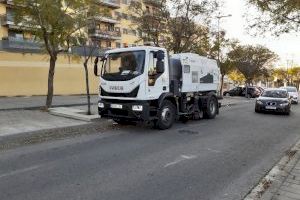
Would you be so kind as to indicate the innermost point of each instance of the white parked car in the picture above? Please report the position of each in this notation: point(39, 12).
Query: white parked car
point(293, 92)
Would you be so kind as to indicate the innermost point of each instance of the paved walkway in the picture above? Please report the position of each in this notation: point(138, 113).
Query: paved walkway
point(290, 189)
point(15, 103)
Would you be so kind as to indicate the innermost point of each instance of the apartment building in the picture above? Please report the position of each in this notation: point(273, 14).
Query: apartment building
point(24, 67)
point(116, 28)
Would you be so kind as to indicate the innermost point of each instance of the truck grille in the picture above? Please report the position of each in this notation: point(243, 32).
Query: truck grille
point(134, 93)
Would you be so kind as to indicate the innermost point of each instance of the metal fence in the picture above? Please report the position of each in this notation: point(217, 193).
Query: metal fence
point(24, 46)
point(20, 46)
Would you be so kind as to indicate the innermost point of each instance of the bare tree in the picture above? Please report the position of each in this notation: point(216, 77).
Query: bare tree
point(280, 16)
point(188, 24)
point(252, 61)
point(54, 22)
point(151, 24)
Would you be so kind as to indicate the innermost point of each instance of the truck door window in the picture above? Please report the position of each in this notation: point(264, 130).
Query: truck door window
point(152, 64)
point(152, 74)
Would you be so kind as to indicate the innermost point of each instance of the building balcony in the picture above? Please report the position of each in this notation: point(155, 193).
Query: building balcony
point(106, 19)
point(8, 2)
point(6, 19)
point(20, 45)
point(110, 3)
point(104, 34)
point(154, 3)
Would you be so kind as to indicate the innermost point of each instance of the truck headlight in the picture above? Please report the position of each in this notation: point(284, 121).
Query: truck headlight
point(137, 108)
point(101, 105)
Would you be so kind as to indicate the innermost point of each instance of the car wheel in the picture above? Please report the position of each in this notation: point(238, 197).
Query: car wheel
point(227, 95)
point(257, 111)
point(166, 115)
point(211, 109)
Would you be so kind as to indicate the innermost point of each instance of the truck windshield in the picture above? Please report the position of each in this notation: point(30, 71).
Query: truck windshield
point(123, 66)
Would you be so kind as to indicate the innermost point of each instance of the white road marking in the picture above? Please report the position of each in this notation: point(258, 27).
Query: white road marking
point(180, 159)
point(19, 171)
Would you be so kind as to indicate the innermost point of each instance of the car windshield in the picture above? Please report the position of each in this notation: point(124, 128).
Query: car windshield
point(291, 89)
point(275, 93)
point(123, 66)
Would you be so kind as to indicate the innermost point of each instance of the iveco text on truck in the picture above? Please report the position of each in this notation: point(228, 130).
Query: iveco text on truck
point(147, 84)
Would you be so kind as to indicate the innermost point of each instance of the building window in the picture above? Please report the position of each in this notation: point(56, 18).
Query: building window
point(108, 44)
point(118, 45)
point(147, 9)
point(110, 27)
point(125, 31)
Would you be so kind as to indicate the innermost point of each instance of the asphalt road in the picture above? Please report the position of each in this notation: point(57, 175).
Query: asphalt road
point(202, 160)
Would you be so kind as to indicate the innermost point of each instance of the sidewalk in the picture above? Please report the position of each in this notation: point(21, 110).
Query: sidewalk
point(36, 102)
point(290, 188)
point(283, 181)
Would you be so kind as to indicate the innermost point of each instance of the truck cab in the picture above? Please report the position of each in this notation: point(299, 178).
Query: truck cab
point(145, 84)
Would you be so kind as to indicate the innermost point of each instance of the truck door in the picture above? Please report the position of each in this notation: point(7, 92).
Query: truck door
point(158, 80)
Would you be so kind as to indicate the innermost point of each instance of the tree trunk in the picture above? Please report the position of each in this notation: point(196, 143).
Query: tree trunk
point(246, 88)
point(222, 83)
point(85, 64)
point(53, 59)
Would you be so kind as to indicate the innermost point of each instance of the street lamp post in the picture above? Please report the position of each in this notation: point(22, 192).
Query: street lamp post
point(219, 17)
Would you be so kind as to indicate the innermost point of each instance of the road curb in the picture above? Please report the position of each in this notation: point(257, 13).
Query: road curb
point(40, 107)
point(45, 135)
point(270, 184)
point(73, 113)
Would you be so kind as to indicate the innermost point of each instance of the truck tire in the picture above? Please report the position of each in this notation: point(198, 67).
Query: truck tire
point(211, 109)
point(166, 115)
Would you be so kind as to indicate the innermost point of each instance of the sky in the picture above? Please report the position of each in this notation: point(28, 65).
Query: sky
point(286, 46)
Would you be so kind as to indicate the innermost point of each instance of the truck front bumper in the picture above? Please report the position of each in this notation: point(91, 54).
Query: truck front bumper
point(135, 111)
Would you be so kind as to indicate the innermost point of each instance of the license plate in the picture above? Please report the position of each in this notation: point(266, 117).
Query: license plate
point(116, 106)
point(271, 107)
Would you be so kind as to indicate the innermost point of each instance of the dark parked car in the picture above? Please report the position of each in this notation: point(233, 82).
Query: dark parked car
point(273, 100)
point(237, 91)
point(252, 92)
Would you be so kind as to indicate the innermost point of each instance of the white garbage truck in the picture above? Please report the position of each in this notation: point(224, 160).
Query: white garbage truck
point(147, 84)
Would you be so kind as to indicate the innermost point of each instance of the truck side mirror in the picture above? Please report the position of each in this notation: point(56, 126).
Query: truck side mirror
point(160, 55)
point(96, 66)
point(160, 67)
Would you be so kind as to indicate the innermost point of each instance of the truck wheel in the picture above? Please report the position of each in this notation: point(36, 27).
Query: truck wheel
point(166, 115)
point(211, 109)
